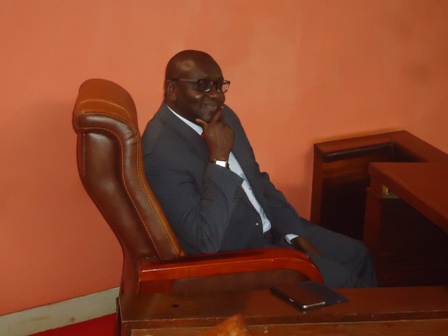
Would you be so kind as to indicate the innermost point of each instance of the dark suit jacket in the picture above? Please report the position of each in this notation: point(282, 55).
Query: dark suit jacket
point(205, 203)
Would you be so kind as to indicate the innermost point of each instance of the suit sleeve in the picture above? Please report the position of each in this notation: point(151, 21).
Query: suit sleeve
point(198, 198)
point(285, 219)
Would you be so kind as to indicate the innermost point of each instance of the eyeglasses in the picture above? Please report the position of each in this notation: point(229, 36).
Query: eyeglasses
point(206, 85)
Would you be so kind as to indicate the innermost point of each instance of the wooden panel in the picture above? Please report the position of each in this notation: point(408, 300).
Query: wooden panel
point(370, 306)
point(339, 191)
point(409, 244)
point(423, 186)
point(402, 328)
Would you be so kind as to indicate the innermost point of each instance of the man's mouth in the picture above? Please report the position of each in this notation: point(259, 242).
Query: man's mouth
point(210, 107)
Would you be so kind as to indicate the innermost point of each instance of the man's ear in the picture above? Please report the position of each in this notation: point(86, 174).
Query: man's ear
point(170, 90)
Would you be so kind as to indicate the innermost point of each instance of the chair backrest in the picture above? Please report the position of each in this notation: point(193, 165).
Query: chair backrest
point(110, 165)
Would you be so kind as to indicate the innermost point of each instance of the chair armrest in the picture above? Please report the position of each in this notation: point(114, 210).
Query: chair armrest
point(229, 263)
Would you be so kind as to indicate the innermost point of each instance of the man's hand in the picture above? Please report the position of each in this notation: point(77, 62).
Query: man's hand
point(302, 244)
point(218, 136)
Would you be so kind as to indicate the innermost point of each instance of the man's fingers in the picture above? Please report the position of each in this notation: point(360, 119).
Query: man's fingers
point(215, 120)
point(217, 117)
point(201, 123)
point(304, 245)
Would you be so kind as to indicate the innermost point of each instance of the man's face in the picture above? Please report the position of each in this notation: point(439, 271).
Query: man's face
point(191, 103)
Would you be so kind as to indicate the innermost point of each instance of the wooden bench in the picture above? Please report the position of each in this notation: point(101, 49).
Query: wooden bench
point(341, 175)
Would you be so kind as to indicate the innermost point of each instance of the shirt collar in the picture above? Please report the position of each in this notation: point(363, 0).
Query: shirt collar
point(198, 129)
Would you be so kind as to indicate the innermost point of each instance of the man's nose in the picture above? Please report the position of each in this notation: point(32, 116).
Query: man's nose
point(215, 93)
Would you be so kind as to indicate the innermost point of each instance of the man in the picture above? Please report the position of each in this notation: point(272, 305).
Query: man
point(201, 167)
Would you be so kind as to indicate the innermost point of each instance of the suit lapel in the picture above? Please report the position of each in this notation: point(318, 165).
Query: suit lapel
point(185, 132)
point(242, 152)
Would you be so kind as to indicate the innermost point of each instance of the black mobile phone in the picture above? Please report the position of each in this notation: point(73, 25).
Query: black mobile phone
point(298, 296)
point(330, 296)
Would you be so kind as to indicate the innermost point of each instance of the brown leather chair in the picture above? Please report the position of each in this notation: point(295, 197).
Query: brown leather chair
point(110, 165)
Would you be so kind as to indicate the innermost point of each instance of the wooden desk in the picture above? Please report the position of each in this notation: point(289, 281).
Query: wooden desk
point(406, 222)
point(340, 175)
point(371, 311)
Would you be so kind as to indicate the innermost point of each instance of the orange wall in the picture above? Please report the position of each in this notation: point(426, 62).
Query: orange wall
point(301, 72)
